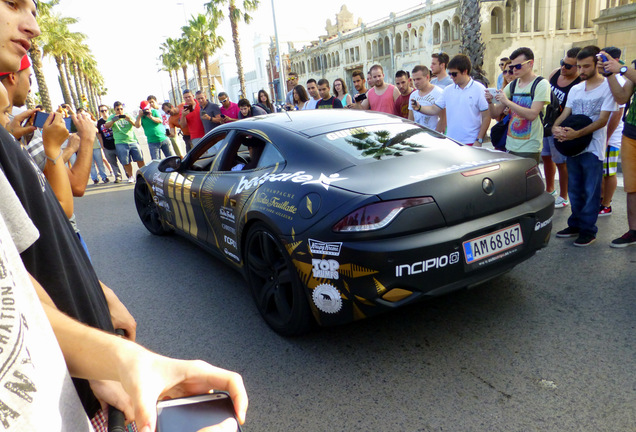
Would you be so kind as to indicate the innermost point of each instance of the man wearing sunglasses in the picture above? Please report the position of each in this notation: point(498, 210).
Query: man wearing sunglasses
point(525, 130)
point(467, 117)
point(562, 79)
point(502, 66)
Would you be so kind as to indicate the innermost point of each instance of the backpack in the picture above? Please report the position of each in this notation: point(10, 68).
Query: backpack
point(552, 112)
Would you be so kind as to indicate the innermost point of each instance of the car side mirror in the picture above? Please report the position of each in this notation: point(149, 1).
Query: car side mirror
point(170, 164)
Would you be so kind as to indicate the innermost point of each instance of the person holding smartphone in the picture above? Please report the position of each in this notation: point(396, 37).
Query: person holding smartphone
point(190, 118)
point(150, 119)
point(128, 150)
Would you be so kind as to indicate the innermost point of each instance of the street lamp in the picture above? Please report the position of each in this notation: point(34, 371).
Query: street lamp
point(281, 71)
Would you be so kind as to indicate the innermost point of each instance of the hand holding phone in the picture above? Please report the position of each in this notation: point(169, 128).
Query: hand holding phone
point(360, 97)
point(189, 414)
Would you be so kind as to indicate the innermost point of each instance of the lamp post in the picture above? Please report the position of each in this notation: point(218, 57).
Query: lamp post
point(282, 76)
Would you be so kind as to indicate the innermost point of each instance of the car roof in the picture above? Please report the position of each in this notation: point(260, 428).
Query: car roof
point(322, 121)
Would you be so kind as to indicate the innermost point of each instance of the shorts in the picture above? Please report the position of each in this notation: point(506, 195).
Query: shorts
point(534, 156)
point(610, 164)
point(628, 162)
point(550, 150)
point(128, 151)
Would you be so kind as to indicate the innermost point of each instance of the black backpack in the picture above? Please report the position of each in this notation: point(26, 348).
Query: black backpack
point(552, 112)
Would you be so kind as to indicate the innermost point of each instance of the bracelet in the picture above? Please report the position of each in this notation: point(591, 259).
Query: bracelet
point(53, 161)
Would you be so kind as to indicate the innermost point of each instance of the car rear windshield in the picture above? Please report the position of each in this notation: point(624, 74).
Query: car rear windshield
point(384, 141)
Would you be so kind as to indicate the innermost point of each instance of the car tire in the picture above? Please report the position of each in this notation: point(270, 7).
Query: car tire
point(147, 209)
point(274, 283)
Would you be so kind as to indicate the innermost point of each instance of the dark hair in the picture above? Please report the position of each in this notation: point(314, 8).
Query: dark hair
point(98, 108)
point(42, 106)
point(588, 51)
point(525, 51)
point(292, 75)
point(344, 87)
point(166, 104)
point(223, 94)
point(461, 62)
point(573, 52)
point(504, 59)
point(376, 66)
point(116, 104)
point(441, 57)
point(423, 69)
point(613, 51)
point(358, 73)
point(199, 92)
point(244, 102)
point(311, 80)
point(402, 73)
point(151, 97)
point(323, 81)
point(186, 91)
point(302, 93)
point(268, 103)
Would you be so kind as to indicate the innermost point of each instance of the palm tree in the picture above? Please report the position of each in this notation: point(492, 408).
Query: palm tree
point(182, 55)
point(472, 44)
point(201, 35)
point(170, 62)
point(379, 143)
point(44, 15)
point(236, 14)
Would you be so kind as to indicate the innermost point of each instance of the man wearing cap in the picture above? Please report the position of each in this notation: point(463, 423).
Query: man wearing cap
point(128, 151)
point(150, 119)
point(592, 98)
point(191, 118)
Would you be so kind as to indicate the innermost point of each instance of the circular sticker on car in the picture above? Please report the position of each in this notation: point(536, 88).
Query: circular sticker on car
point(327, 298)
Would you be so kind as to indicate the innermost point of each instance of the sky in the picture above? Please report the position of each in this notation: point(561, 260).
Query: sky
point(125, 36)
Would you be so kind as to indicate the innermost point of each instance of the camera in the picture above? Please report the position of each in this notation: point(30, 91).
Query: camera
point(360, 97)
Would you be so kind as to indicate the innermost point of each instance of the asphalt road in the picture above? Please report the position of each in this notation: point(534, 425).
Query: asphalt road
point(549, 346)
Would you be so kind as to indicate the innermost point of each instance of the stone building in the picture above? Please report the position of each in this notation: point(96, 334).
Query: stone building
point(407, 38)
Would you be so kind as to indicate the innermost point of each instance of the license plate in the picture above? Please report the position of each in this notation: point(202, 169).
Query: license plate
point(491, 244)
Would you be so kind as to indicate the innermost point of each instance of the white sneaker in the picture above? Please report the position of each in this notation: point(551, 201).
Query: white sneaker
point(561, 202)
point(131, 179)
point(553, 193)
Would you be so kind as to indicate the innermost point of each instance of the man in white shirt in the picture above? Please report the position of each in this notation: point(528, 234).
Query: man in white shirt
point(467, 113)
point(312, 89)
point(426, 95)
point(593, 98)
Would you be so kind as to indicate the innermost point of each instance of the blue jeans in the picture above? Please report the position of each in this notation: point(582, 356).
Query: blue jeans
point(97, 159)
point(585, 173)
point(156, 148)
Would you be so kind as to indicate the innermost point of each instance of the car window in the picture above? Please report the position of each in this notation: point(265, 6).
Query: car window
point(204, 157)
point(384, 141)
point(249, 151)
point(270, 156)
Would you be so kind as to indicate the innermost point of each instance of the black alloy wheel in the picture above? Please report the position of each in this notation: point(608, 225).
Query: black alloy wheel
point(147, 209)
point(274, 283)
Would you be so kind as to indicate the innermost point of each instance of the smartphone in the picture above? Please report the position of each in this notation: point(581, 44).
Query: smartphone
point(602, 57)
point(189, 414)
point(122, 116)
point(492, 91)
point(40, 119)
point(222, 115)
point(360, 97)
point(70, 126)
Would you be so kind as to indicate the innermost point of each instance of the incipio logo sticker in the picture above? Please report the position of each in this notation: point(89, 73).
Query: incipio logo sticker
point(324, 248)
point(544, 224)
point(426, 265)
point(327, 299)
point(325, 269)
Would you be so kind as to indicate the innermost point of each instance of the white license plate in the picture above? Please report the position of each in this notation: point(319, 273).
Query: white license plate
point(491, 244)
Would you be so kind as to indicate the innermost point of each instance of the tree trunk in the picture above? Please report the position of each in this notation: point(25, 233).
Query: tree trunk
point(198, 64)
point(174, 95)
point(207, 73)
point(63, 84)
point(237, 50)
point(70, 83)
point(77, 77)
point(43, 90)
point(472, 44)
point(185, 75)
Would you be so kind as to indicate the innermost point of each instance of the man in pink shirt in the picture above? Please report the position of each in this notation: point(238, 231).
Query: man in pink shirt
point(229, 110)
point(382, 96)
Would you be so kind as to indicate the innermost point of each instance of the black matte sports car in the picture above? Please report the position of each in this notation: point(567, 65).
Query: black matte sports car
point(337, 215)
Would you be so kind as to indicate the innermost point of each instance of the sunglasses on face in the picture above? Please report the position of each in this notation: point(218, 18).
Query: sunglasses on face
point(507, 72)
point(453, 74)
point(223, 101)
point(567, 66)
point(518, 66)
point(103, 110)
point(501, 64)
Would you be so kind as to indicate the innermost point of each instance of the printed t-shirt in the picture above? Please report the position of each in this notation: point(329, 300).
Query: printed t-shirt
point(193, 119)
point(463, 110)
point(332, 102)
point(35, 387)
point(426, 100)
point(591, 103)
point(122, 131)
point(107, 134)
point(525, 136)
point(57, 259)
point(155, 132)
point(383, 103)
point(402, 105)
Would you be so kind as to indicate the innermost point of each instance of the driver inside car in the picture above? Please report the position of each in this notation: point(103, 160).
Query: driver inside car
point(255, 147)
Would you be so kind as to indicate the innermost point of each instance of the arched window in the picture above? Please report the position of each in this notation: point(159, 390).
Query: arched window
point(405, 42)
point(421, 37)
point(446, 31)
point(524, 17)
point(337, 59)
point(509, 8)
point(436, 33)
point(329, 63)
point(381, 47)
point(375, 49)
point(368, 50)
point(387, 46)
point(456, 33)
point(539, 15)
point(496, 21)
point(357, 54)
point(398, 43)
point(414, 39)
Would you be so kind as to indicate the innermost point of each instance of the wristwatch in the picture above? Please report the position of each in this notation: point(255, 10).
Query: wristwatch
point(623, 70)
point(480, 140)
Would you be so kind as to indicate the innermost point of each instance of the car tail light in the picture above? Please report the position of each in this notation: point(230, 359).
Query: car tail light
point(534, 183)
point(378, 215)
